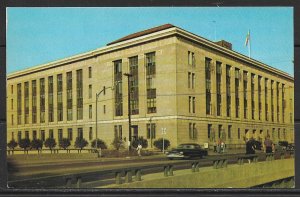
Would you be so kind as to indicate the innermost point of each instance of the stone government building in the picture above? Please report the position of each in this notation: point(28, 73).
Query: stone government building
point(197, 89)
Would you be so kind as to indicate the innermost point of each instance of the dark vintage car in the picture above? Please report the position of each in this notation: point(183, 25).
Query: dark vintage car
point(186, 151)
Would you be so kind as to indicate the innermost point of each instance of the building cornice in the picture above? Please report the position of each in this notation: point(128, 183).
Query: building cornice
point(173, 31)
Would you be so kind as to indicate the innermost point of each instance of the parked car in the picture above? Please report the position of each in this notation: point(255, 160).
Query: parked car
point(290, 147)
point(186, 151)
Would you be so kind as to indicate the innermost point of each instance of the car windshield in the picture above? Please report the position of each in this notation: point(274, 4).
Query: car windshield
point(188, 146)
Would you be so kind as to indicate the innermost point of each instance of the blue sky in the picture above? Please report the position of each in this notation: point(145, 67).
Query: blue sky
point(40, 35)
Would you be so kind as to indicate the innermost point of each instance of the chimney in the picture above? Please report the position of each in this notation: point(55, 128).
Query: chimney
point(224, 44)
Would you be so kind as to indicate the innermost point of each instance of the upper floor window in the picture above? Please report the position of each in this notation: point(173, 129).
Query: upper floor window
point(191, 58)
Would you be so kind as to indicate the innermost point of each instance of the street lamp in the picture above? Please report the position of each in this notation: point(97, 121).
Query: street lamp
point(128, 75)
point(163, 132)
point(97, 96)
point(151, 131)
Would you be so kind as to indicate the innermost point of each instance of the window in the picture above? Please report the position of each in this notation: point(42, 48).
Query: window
point(42, 100)
point(277, 96)
point(266, 100)
point(189, 79)
point(192, 131)
point(51, 133)
point(151, 131)
point(69, 97)
point(19, 136)
point(209, 131)
point(26, 102)
point(80, 133)
point(218, 83)
point(259, 97)
point(191, 58)
point(90, 111)
point(34, 134)
point(150, 80)
point(229, 131)
point(34, 100)
point(12, 119)
point(245, 82)
point(60, 135)
point(50, 99)
point(43, 135)
point(134, 85)
point(272, 100)
point(239, 133)
point(90, 72)
point(79, 85)
point(26, 134)
point(193, 80)
point(91, 133)
point(59, 98)
point(118, 89)
point(237, 92)
point(19, 103)
point(219, 131)
point(70, 134)
point(252, 96)
point(104, 109)
point(12, 135)
point(118, 132)
point(279, 136)
point(12, 104)
point(208, 85)
point(90, 91)
point(12, 89)
point(283, 102)
point(228, 90)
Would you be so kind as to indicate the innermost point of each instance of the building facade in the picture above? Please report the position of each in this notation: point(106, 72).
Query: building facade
point(198, 90)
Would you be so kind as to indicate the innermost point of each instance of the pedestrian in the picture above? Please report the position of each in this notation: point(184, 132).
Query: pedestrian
point(222, 147)
point(268, 144)
point(218, 146)
point(139, 148)
point(250, 147)
point(215, 146)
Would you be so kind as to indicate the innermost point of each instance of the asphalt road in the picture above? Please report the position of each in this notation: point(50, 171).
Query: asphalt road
point(31, 176)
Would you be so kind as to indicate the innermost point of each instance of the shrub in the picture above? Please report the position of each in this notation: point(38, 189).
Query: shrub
point(159, 144)
point(64, 143)
point(36, 144)
point(50, 143)
point(80, 143)
point(118, 143)
point(140, 140)
point(283, 143)
point(12, 144)
point(24, 143)
point(100, 144)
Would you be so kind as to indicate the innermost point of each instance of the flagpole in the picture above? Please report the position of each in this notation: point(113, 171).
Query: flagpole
point(249, 48)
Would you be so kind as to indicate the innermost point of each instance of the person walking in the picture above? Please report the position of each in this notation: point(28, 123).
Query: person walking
point(222, 147)
point(250, 148)
point(215, 146)
point(268, 144)
point(139, 148)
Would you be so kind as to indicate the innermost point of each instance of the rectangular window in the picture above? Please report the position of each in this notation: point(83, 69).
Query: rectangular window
point(19, 136)
point(208, 85)
point(218, 83)
point(237, 92)
point(91, 133)
point(80, 133)
point(259, 97)
point(189, 79)
point(12, 89)
point(12, 104)
point(70, 134)
point(266, 100)
point(90, 72)
point(34, 134)
point(252, 96)
point(60, 135)
point(150, 80)
point(79, 86)
point(12, 119)
point(277, 96)
point(151, 131)
point(90, 91)
point(42, 100)
point(50, 99)
point(59, 97)
point(51, 133)
point(194, 104)
point(219, 131)
point(90, 111)
point(69, 97)
point(19, 103)
point(209, 131)
point(272, 100)
point(239, 133)
point(134, 85)
point(191, 58)
point(118, 132)
point(228, 90)
point(26, 102)
point(26, 134)
point(229, 131)
point(193, 80)
point(43, 135)
point(192, 131)
point(34, 101)
point(104, 109)
point(118, 88)
point(283, 102)
point(245, 82)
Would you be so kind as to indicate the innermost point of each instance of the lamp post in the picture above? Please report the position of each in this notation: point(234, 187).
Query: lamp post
point(151, 131)
point(97, 96)
point(128, 75)
point(163, 133)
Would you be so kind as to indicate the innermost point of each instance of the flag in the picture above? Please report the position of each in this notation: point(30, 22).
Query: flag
point(247, 38)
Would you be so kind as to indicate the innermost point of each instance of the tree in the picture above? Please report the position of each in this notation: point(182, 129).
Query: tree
point(118, 143)
point(159, 144)
point(24, 143)
point(50, 143)
point(36, 144)
point(12, 144)
point(140, 140)
point(80, 143)
point(100, 144)
point(64, 143)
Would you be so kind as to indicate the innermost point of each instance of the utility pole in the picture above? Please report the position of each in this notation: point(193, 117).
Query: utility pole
point(151, 131)
point(128, 75)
